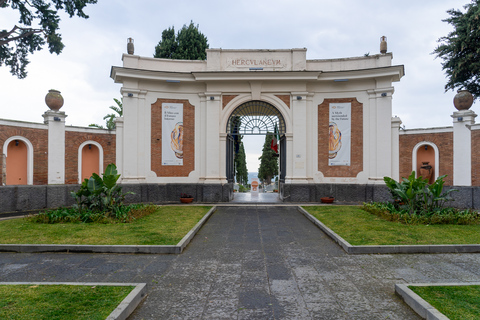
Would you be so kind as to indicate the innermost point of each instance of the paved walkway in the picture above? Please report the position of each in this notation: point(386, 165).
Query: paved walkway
point(255, 263)
point(256, 197)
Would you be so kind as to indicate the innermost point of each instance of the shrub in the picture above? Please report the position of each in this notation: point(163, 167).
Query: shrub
point(98, 200)
point(101, 194)
point(416, 196)
point(72, 215)
point(390, 212)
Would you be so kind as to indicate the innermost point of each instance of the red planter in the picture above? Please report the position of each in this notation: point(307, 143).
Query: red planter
point(186, 200)
point(327, 199)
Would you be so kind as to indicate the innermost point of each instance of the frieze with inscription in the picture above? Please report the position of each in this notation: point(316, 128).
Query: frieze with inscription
point(257, 63)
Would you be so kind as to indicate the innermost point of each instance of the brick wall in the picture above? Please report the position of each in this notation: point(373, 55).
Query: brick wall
point(226, 99)
point(74, 139)
point(444, 142)
point(188, 140)
point(39, 140)
point(356, 152)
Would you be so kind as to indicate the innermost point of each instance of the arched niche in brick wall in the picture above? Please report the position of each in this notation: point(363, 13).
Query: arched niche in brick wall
point(25, 149)
point(426, 151)
point(90, 159)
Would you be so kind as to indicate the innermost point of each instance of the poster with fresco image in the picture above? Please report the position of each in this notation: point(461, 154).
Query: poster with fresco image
point(172, 134)
point(339, 138)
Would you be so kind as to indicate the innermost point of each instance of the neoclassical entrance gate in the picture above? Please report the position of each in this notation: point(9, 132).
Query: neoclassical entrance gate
point(181, 119)
point(254, 118)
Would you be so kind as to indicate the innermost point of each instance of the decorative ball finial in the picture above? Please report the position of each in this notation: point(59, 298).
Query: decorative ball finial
point(54, 100)
point(130, 46)
point(383, 44)
point(463, 100)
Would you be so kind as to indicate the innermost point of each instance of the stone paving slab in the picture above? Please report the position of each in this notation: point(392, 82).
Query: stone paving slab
point(124, 309)
point(258, 262)
point(390, 249)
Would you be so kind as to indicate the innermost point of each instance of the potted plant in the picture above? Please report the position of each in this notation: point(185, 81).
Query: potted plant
point(186, 198)
point(327, 199)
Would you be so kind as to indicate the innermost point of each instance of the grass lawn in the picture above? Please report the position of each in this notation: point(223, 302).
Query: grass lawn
point(167, 226)
point(59, 301)
point(362, 228)
point(457, 303)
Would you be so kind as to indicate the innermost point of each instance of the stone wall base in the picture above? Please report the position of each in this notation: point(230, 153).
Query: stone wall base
point(30, 198)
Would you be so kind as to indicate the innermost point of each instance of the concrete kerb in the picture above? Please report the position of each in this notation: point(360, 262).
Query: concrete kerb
point(419, 305)
point(161, 249)
point(390, 249)
point(121, 312)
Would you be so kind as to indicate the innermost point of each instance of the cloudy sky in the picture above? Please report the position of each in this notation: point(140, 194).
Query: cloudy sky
point(328, 29)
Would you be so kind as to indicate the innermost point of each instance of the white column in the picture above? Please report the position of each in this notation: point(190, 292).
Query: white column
point(396, 122)
point(213, 171)
point(462, 147)
point(56, 146)
point(379, 134)
point(133, 150)
point(119, 145)
point(299, 143)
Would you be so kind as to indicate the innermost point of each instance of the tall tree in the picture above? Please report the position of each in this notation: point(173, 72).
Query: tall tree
point(268, 161)
point(241, 171)
point(21, 40)
point(110, 118)
point(188, 44)
point(460, 49)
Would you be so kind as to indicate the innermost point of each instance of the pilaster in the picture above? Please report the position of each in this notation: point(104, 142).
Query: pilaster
point(462, 147)
point(56, 146)
point(396, 122)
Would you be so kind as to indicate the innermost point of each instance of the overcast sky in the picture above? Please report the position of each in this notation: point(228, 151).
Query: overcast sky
point(328, 29)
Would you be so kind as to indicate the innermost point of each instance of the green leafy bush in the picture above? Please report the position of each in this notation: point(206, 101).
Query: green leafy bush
point(99, 199)
point(391, 212)
point(73, 215)
point(101, 194)
point(416, 196)
point(417, 202)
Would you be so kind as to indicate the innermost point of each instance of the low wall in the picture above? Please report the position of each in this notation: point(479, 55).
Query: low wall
point(466, 197)
point(30, 198)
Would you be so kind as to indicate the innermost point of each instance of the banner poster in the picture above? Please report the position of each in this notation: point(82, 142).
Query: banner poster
point(339, 141)
point(172, 134)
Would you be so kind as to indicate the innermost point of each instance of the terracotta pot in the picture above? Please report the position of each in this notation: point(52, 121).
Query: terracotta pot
point(130, 46)
point(463, 100)
point(327, 199)
point(186, 200)
point(54, 100)
point(383, 45)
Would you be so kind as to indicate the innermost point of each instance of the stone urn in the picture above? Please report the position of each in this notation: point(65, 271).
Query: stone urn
point(463, 100)
point(54, 100)
point(383, 45)
point(426, 170)
point(130, 46)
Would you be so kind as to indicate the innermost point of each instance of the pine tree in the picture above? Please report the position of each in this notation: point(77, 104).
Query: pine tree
point(241, 171)
point(268, 162)
point(188, 44)
point(460, 50)
point(22, 39)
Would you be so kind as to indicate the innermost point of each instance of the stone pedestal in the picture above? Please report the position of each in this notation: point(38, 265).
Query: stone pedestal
point(462, 147)
point(56, 146)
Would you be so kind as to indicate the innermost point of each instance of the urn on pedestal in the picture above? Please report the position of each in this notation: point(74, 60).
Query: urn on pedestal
point(54, 100)
point(463, 100)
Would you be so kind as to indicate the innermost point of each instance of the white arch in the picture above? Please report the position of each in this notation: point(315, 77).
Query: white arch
point(239, 100)
point(437, 156)
point(29, 155)
point(100, 158)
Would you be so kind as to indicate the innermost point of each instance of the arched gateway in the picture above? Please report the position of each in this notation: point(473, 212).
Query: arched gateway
point(334, 116)
point(255, 118)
